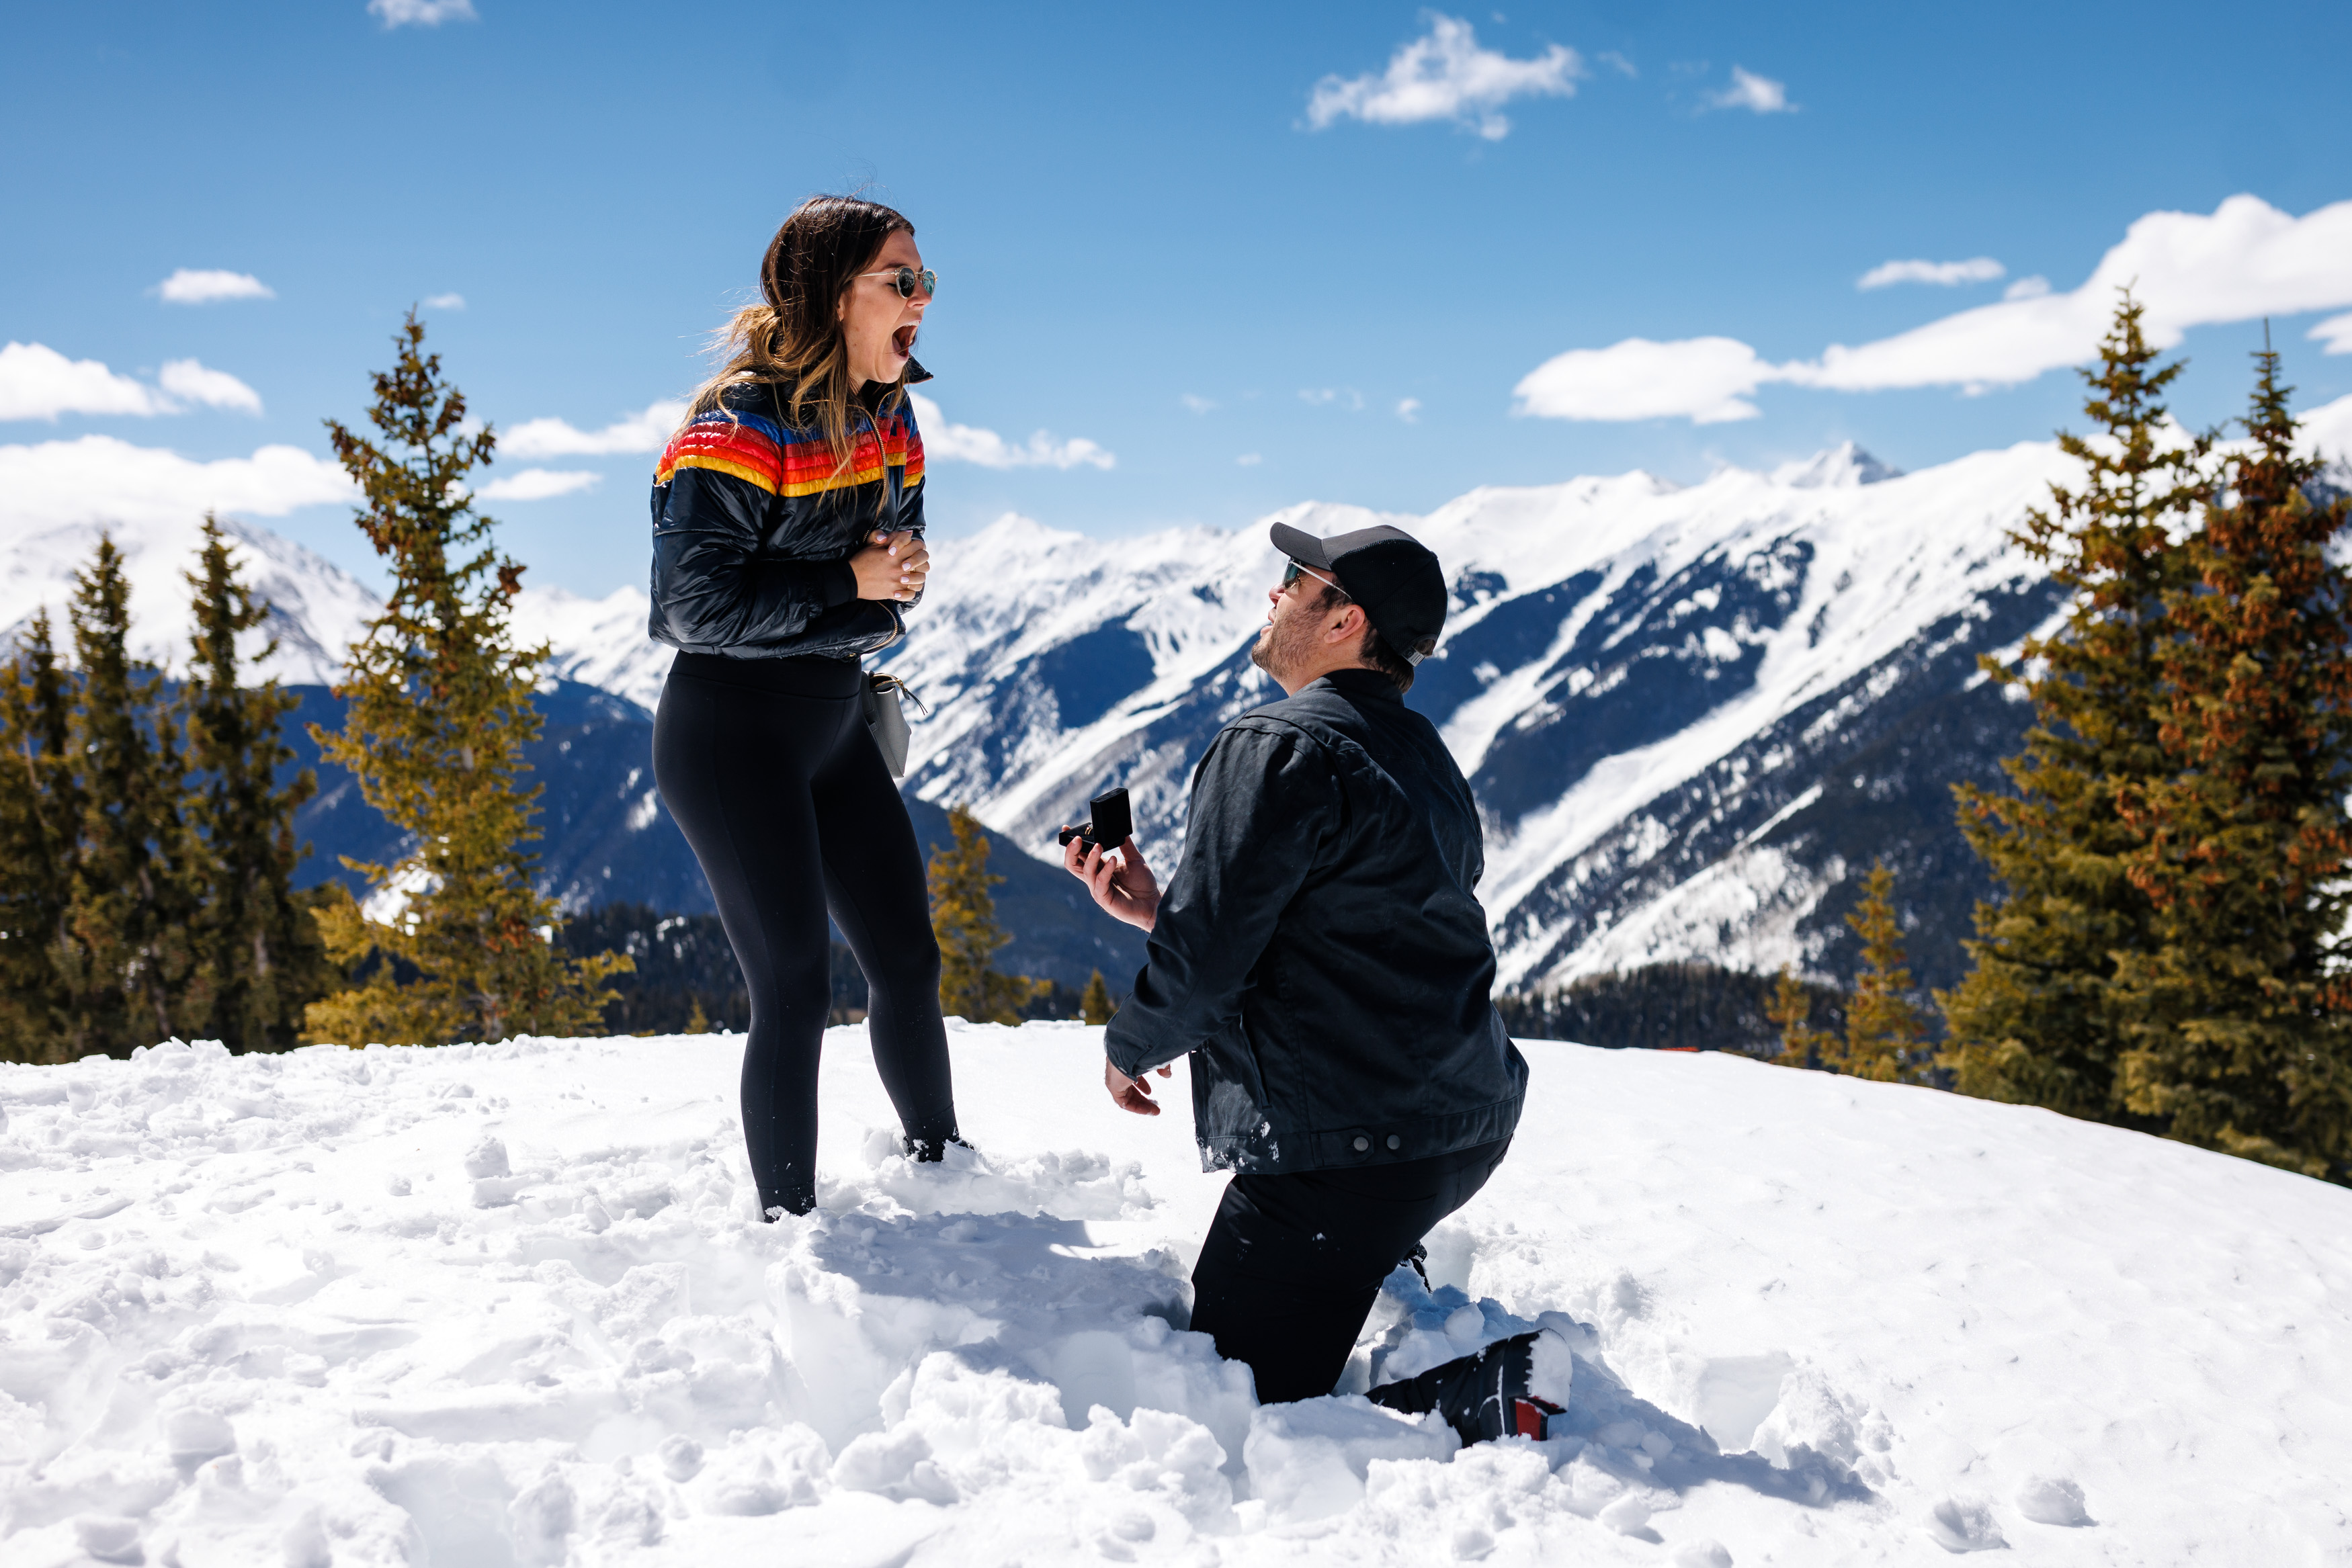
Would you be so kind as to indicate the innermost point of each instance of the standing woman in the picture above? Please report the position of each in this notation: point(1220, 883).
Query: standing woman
point(788, 540)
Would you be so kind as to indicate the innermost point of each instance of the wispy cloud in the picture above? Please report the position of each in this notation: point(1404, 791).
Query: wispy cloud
point(2244, 261)
point(2027, 288)
point(422, 13)
point(1747, 90)
point(39, 382)
point(1408, 410)
point(193, 285)
point(1446, 76)
point(539, 484)
point(1197, 403)
point(1942, 274)
point(1326, 397)
point(444, 302)
point(1249, 460)
point(1617, 62)
point(644, 431)
point(98, 479)
point(968, 443)
point(2336, 332)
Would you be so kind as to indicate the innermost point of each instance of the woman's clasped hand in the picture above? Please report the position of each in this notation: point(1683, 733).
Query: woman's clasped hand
point(892, 568)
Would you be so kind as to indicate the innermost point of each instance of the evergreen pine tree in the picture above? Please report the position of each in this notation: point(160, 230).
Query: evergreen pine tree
point(1095, 1005)
point(963, 917)
point(440, 710)
point(2033, 1020)
point(1802, 1045)
point(255, 935)
point(2240, 1017)
point(697, 1021)
point(131, 970)
point(40, 826)
point(1883, 1027)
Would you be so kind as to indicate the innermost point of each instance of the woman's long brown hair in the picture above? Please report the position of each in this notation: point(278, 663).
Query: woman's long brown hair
point(792, 338)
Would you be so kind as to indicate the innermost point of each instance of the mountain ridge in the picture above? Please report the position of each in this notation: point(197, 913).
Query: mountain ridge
point(1672, 701)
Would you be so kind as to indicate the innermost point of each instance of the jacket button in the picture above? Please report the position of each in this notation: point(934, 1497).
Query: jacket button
point(1363, 1143)
point(1395, 1142)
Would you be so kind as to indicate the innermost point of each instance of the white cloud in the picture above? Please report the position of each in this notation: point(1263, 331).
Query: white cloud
point(644, 431)
point(1322, 397)
point(1196, 404)
point(2328, 431)
point(1706, 379)
point(1942, 274)
point(189, 382)
point(2244, 261)
point(444, 302)
point(1249, 460)
point(539, 484)
point(1617, 62)
point(1749, 90)
point(39, 382)
point(2027, 288)
point(1408, 410)
point(969, 443)
point(101, 479)
point(191, 286)
point(422, 13)
point(2336, 332)
point(1446, 76)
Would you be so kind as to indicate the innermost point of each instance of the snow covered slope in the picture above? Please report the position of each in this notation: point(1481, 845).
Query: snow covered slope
point(508, 1305)
point(316, 608)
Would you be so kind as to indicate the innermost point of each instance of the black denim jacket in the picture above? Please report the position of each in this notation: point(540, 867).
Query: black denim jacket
point(1320, 950)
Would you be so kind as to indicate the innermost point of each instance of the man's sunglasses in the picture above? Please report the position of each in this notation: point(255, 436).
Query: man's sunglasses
point(1294, 571)
point(905, 280)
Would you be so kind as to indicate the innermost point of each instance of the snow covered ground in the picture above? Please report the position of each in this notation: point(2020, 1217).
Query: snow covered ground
point(509, 1304)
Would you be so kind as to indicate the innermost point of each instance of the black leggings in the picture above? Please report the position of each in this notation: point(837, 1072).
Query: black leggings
point(1292, 1262)
point(767, 765)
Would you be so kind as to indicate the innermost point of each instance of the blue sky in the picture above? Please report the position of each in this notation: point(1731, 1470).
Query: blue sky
point(1145, 241)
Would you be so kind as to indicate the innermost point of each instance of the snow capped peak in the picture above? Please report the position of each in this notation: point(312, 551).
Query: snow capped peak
point(316, 608)
point(1842, 465)
point(1014, 531)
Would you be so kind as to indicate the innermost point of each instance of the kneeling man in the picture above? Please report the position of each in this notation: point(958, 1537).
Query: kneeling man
point(1321, 955)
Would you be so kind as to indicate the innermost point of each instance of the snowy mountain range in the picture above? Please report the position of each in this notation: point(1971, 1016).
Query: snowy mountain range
point(1692, 715)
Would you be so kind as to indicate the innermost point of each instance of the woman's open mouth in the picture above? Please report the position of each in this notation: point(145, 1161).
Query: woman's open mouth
point(902, 341)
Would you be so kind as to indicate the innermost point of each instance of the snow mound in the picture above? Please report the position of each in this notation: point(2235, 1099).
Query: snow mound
point(510, 1304)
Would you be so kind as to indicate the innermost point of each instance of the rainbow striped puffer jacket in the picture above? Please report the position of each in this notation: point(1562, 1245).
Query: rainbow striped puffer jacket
point(755, 519)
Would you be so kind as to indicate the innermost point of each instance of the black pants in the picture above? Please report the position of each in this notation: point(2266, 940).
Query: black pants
point(1292, 1262)
point(767, 765)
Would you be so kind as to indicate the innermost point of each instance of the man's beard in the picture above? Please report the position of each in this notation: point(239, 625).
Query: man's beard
point(1285, 645)
point(1270, 649)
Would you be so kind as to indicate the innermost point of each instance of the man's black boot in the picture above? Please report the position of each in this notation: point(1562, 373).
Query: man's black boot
point(1492, 1393)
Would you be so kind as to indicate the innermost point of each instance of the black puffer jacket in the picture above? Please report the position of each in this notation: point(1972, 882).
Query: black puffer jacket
point(754, 522)
point(1319, 949)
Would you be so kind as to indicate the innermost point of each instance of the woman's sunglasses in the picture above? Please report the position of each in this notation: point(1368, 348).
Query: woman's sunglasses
point(905, 280)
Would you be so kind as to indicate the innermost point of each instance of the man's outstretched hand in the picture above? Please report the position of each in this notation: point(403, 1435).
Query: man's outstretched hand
point(1131, 1094)
point(1121, 884)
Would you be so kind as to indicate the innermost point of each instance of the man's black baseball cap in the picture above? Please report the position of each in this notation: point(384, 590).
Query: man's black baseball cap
point(1393, 575)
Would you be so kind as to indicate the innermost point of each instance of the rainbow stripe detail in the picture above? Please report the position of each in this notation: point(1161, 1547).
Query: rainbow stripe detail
point(786, 462)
